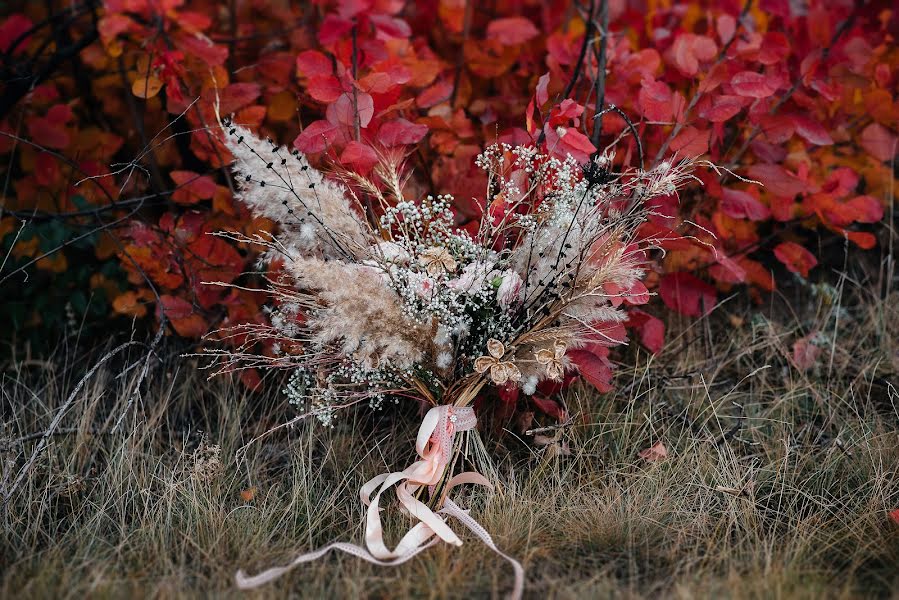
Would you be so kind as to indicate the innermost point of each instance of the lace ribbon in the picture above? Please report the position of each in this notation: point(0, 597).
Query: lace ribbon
point(434, 445)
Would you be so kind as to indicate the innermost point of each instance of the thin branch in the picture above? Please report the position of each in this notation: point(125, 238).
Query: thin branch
point(600, 83)
point(356, 119)
point(579, 65)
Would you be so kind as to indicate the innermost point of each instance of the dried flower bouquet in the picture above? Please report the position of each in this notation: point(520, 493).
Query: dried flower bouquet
point(380, 297)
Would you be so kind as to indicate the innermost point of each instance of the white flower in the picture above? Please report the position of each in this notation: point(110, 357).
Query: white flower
point(473, 278)
point(510, 289)
point(422, 285)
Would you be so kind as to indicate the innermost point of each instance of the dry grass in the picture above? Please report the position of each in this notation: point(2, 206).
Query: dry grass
point(778, 482)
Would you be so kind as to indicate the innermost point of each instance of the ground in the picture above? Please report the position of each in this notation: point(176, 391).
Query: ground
point(778, 481)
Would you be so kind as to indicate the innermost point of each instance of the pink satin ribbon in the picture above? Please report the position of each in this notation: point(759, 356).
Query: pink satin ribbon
point(434, 446)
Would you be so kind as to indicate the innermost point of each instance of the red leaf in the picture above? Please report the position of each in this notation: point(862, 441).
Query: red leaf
point(250, 380)
point(775, 48)
point(879, 142)
point(359, 156)
point(862, 239)
point(235, 96)
point(650, 329)
point(11, 31)
point(317, 136)
point(377, 82)
point(324, 88)
point(50, 130)
point(180, 314)
point(542, 95)
point(343, 112)
point(687, 294)
point(350, 8)
point(655, 453)
point(604, 335)
point(192, 187)
point(757, 274)
point(437, 93)
point(738, 204)
point(46, 168)
point(894, 516)
point(550, 407)
point(691, 142)
point(796, 258)
point(866, 209)
point(726, 26)
point(511, 31)
point(812, 131)
point(333, 29)
point(727, 270)
point(690, 49)
point(777, 128)
point(400, 131)
point(753, 85)
point(201, 47)
point(312, 63)
point(596, 370)
point(777, 180)
point(655, 101)
point(390, 27)
point(577, 145)
point(723, 108)
point(805, 353)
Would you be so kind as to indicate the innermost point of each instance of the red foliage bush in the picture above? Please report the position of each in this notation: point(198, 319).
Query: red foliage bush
point(109, 122)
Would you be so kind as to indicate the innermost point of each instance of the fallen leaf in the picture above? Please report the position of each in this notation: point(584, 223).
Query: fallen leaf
point(655, 453)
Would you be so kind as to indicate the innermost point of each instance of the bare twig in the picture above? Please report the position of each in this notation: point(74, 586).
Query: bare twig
point(356, 119)
point(600, 83)
point(579, 65)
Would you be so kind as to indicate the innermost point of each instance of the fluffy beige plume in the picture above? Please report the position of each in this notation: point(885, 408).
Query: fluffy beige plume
point(360, 313)
point(315, 214)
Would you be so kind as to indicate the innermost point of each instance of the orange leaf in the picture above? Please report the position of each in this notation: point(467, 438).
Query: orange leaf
point(796, 258)
point(129, 304)
point(146, 86)
point(282, 107)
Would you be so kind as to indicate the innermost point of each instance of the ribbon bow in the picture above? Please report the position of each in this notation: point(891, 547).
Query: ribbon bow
point(434, 445)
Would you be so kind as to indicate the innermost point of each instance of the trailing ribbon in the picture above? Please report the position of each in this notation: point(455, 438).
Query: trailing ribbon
point(434, 445)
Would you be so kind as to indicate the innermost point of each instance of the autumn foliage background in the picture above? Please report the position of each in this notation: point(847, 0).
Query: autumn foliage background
point(115, 173)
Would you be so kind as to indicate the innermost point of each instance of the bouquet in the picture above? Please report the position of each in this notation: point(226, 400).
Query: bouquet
point(380, 298)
